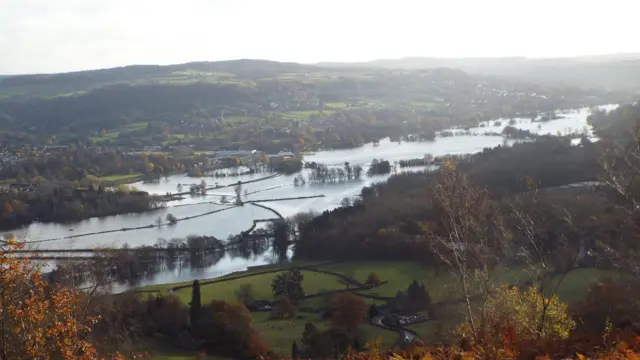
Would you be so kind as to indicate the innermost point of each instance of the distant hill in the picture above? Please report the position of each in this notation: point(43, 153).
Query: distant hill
point(612, 71)
point(615, 72)
point(46, 85)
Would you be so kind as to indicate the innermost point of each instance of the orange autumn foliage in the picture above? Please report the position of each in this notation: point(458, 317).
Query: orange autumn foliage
point(563, 349)
point(348, 311)
point(626, 347)
point(38, 321)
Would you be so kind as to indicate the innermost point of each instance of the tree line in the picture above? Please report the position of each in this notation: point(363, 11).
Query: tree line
point(62, 202)
point(80, 163)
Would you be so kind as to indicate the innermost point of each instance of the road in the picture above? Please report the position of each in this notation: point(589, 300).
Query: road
point(406, 336)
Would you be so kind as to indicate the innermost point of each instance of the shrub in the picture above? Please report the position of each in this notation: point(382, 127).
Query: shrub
point(607, 301)
point(523, 315)
point(373, 279)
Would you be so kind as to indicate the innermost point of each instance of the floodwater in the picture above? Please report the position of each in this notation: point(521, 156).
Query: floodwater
point(234, 220)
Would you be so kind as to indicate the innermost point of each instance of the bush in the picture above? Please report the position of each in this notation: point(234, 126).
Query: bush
point(521, 314)
point(607, 301)
point(373, 279)
point(172, 219)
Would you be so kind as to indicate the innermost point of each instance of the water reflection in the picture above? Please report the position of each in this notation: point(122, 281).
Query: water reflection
point(170, 261)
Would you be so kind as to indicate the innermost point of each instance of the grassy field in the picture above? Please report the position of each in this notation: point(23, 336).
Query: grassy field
point(400, 274)
point(120, 177)
point(313, 283)
point(577, 282)
point(280, 333)
point(159, 349)
point(110, 135)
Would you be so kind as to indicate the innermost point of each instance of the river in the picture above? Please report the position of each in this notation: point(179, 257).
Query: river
point(232, 221)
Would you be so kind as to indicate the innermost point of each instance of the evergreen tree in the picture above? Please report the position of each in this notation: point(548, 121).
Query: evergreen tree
point(373, 311)
point(195, 304)
point(309, 334)
point(413, 291)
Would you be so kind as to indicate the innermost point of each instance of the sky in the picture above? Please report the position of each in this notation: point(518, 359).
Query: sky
point(44, 36)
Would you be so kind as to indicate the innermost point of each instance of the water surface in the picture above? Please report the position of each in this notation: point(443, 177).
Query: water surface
point(229, 222)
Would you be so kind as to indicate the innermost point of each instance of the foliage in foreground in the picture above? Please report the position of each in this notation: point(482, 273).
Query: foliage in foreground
point(39, 320)
point(580, 348)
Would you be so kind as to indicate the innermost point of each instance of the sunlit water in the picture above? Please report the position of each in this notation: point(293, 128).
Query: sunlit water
point(237, 219)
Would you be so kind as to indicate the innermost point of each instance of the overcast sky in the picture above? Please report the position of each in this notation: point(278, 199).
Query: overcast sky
point(67, 35)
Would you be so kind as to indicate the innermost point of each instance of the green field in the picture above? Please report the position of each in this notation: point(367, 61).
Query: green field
point(110, 135)
point(120, 177)
point(313, 283)
point(280, 333)
point(158, 349)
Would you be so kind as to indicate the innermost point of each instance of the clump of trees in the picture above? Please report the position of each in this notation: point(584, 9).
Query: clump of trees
point(285, 165)
point(379, 167)
point(76, 163)
point(63, 202)
point(171, 219)
point(515, 133)
point(323, 174)
point(414, 162)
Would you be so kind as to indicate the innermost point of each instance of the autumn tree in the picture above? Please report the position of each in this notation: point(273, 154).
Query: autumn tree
point(621, 164)
point(348, 311)
point(517, 312)
point(7, 208)
point(471, 237)
point(38, 320)
point(548, 262)
point(229, 330)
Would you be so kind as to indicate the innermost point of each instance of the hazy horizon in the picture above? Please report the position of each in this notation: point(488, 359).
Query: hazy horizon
point(72, 35)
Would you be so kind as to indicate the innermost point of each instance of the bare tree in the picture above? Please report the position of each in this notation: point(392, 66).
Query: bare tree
point(548, 266)
point(621, 164)
point(471, 236)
